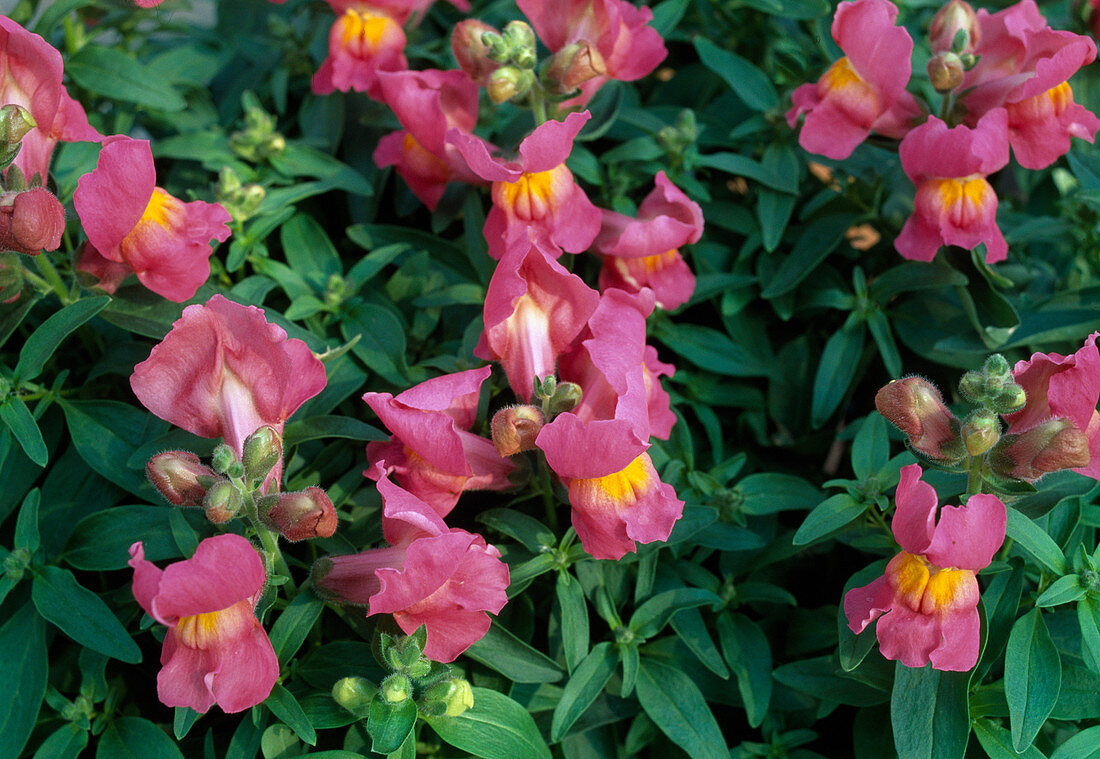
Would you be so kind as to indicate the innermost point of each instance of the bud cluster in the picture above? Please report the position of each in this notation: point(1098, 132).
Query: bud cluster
point(239, 199)
point(259, 140)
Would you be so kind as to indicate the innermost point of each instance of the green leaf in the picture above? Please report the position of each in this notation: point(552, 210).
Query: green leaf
point(750, 658)
point(821, 678)
point(674, 703)
point(26, 524)
point(710, 349)
point(1036, 542)
point(496, 728)
point(100, 541)
point(1083, 745)
point(1064, 590)
point(827, 517)
point(81, 614)
point(42, 344)
point(871, 447)
point(382, 345)
point(309, 251)
point(574, 619)
point(283, 705)
point(631, 659)
point(15, 414)
point(1033, 677)
point(135, 738)
point(64, 743)
point(930, 713)
point(22, 678)
point(997, 742)
point(666, 15)
point(914, 275)
point(108, 71)
point(820, 238)
point(516, 660)
point(106, 434)
point(293, 625)
point(749, 82)
point(1088, 617)
point(689, 625)
point(320, 427)
point(884, 339)
point(852, 649)
point(585, 684)
point(652, 616)
point(839, 362)
point(739, 165)
point(769, 492)
point(533, 534)
point(183, 718)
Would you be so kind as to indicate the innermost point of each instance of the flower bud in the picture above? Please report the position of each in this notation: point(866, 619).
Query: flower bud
point(396, 688)
point(354, 694)
point(957, 16)
point(263, 449)
point(302, 515)
point(574, 65)
point(449, 698)
point(239, 199)
point(31, 221)
point(945, 71)
point(509, 82)
point(565, 398)
point(223, 458)
point(520, 37)
point(470, 50)
point(1011, 400)
point(1048, 447)
point(515, 428)
point(222, 502)
point(914, 405)
point(980, 432)
point(15, 123)
point(180, 477)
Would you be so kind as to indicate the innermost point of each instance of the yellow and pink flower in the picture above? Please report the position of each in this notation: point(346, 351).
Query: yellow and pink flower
point(364, 40)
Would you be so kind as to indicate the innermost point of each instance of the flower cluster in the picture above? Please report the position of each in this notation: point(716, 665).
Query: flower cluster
point(1004, 82)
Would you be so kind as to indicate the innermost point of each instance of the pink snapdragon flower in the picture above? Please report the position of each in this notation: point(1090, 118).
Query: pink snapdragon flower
point(617, 29)
point(215, 650)
point(1062, 387)
point(534, 307)
point(363, 40)
point(225, 371)
point(30, 76)
point(399, 10)
point(927, 602)
point(428, 104)
point(131, 221)
point(443, 578)
point(1024, 67)
point(536, 192)
point(864, 91)
point(644, 252)
point(431, 453)
point(955, 204)
point(30, 221)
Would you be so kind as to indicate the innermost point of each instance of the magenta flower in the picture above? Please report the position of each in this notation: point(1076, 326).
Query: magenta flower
point(1024, 66)
point(431, 453)
point(363, 41)
point(644, 252)
point(444, 578)
point(954, 205)
point(537, 191)
point(131, 221)
point(534, 307)
point(224, 371)
point(927, 602)
point(428, 104)
point(215, 650)
point(864, 91)
point(32, 72)
point(618, 30)
point(1062, 387)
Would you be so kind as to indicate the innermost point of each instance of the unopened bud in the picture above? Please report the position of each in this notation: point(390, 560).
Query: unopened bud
point(980, 432)
point(31, 221)
point(449, 698)
point(223, 458)
point(520, 37)
point(1011, 400)
point(945, 71)
point(239, 199)
point(509, 82)
point(470, 50)
point(15, 122)
point(263, 449)
point(1049, 447)
point(222, 502)
point(914, 405)
point(354, 694)
point(302, 515)
point(180, 477)
point(396, 688)
point(574, 65)
point(565, 398)
point(952, 19)
point(515, 429)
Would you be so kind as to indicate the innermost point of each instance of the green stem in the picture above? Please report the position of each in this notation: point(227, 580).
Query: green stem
point(53, 278)
point(974, 475)
point(538, 104)
point(270, 542)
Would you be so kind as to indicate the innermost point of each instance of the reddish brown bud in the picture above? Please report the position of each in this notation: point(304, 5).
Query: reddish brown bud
point(914, 405)
point(515, 429)
point(31, 221)
point(1053, 445)
point(180, 477)
point(471, 53)
point(307, 514)
point(949, 20)
point(574, 65)
point(945, 71)
point(222, 502)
